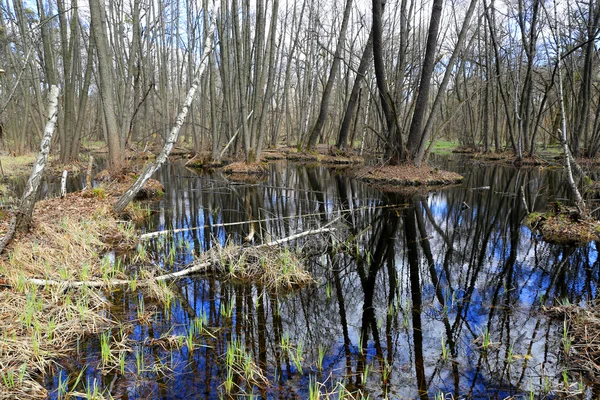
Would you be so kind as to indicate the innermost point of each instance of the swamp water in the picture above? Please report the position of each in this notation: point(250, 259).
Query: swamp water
point(422, 296)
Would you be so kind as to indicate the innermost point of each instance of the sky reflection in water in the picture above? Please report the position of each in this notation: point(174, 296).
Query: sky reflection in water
point(443, 297)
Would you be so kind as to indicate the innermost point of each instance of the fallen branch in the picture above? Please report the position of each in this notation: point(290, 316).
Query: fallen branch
point(233, 137)
point(150, 235)
point(166, 277)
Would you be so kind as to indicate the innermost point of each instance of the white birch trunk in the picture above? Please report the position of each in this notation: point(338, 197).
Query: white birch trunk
point(22, 218)
point(563, 124)
point(88, 175)
point(63, 184)
point(151, 168)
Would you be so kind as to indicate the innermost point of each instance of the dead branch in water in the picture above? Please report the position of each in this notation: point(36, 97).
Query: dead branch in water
point(152, 235)
point(203, 266)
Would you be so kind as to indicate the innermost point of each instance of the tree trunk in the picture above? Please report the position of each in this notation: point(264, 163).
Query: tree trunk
point(21, 220)
point(342, 142)
point(126, 198)
point(415, 133)
point(426, 133)
point(106, 83)
point(394, 146)
point(318, 127)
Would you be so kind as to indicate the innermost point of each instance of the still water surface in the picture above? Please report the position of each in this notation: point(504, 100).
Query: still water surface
point(436, 293)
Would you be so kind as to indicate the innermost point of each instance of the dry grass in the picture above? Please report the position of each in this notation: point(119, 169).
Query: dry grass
point(581, 339)
point(257, 168)
point(66, 242)
point(275, 267)
point(67, 239)
point(564, 227)
point(37, 328)
point(17, 165)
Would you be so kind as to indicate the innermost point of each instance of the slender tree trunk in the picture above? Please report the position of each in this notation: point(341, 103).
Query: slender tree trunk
point(394, 147)
point(365, 61)
point(21, 220)
point(415, 134)
point(106, 84)
point(318, 127)
point(129, 195)
point(426, 133)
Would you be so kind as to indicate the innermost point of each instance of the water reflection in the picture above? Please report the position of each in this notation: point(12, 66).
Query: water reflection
point(417, 294)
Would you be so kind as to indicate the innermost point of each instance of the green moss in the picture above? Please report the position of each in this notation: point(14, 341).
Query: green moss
point(99, 192)
point(444, 146)
point(534, 217)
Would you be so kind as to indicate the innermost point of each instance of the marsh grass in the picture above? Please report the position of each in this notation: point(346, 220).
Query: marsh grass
point(242, 372)
point(278, 268)
point(40, 326)
point(581, 343)
point(67, 240)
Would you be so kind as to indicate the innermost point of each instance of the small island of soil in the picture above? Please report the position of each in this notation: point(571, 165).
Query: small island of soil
point(562, 225)
point(246, 172)
point(407, 176)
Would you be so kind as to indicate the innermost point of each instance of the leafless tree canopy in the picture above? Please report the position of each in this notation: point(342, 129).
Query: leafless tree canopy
point(391, 77)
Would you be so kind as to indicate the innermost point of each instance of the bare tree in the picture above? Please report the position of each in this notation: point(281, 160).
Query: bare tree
point(318, 127)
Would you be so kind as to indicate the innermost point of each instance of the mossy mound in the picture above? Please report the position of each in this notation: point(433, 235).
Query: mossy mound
point(257, 168)
point(203, 161)
point(407, 176)
point(247, 172)
point(116, 184)
point(153, 189)
point(565, 226)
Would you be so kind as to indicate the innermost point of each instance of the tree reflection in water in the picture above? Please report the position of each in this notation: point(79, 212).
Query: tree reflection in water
point(421, 297)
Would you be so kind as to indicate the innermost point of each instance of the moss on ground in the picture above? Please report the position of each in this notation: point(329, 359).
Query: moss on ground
point(444, 147)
